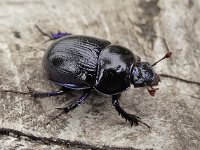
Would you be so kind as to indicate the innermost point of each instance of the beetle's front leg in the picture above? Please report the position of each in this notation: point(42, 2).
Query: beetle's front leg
point(133, 119)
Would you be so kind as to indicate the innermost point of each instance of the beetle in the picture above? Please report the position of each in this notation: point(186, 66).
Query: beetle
point(88, 63)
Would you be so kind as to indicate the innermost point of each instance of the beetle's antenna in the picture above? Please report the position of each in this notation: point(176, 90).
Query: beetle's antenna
point(168, 55)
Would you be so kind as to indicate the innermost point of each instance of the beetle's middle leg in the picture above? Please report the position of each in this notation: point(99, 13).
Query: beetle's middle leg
point(52, 36)
point(133, 119)
point(73, 105)
point(77, 103)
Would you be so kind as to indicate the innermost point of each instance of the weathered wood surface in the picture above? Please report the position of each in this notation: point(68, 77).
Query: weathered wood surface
point(149, 28)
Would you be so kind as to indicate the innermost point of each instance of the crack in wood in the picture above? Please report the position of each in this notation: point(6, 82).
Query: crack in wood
point(60, 142)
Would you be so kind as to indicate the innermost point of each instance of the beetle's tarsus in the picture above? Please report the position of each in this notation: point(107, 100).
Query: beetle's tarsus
point(42, 32)
point(68, 108)
point(59, 35)
point(60, 114)
point(13, 91)
point(52, 36)
point(133, 119)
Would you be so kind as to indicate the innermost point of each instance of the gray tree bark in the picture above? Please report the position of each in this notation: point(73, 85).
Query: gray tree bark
point(150, 28)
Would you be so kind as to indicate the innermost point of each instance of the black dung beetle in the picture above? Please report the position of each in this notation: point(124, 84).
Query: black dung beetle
point(87, 63)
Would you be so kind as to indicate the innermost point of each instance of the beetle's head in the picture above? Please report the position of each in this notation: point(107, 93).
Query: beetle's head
point(143, 75)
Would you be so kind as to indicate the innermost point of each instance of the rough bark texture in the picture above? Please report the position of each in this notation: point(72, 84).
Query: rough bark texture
point(149, 28)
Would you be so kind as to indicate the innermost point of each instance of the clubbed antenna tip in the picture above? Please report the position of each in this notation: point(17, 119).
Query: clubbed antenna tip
point(168, 55)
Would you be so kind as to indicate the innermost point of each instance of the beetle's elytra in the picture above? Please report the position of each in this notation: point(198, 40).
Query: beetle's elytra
point(88, 63)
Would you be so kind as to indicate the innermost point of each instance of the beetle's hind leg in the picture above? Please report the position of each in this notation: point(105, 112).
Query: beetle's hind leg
point(52, 36)
point(133, 119)
point(37, 94)
point(73, 105)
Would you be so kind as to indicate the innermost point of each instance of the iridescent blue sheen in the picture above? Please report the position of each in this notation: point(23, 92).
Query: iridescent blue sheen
point(59, 35)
